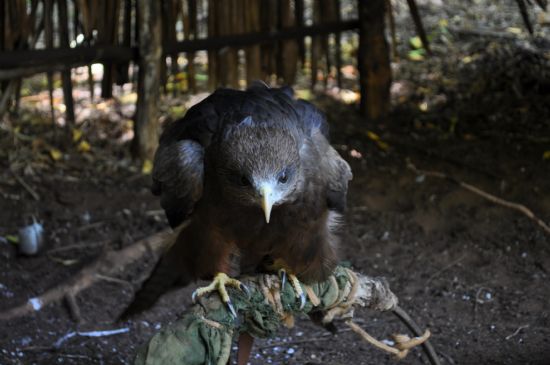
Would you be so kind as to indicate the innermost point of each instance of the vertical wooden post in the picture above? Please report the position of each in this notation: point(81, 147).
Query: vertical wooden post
point(192, 33)
point(253, 53)
point(315, 49)
point(123, 69)
point(66, 74)
point(288, 57)
point(150, 56)
point(213, 30)
point(374, 61)
point(338, 44)
point(299, 16)
point(48, 36)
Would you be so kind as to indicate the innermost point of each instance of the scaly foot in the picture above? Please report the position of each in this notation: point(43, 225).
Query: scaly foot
point(218, 284)
point(295, 285)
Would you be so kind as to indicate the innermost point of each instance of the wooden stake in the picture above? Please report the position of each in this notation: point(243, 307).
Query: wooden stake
point(374, 62)
point(150, 47)
point(66, 74)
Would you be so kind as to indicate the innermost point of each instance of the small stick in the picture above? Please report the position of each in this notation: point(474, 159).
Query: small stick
point(419, 26)
point(516, 332)
point(30, 190)
point(492, 198)
point(74, 309)
point(525, 16)
point(436, 274)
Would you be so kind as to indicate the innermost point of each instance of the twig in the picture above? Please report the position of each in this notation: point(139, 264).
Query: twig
point(115, 280)
point(492, 198)
point(107, 265)
point(419, 26)
point(74, 309)
point(30, 190)
point(438, 272)
point(70, 335)
point(525, 16)
point(516, 332)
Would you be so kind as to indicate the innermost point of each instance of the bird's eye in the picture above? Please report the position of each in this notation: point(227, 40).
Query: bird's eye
point(243, 181)
point(283, 177)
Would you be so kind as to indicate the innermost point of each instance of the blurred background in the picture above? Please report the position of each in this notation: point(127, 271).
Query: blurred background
point(442, 108)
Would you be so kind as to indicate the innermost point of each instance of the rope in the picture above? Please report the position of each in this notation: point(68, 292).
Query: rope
point(403, 343)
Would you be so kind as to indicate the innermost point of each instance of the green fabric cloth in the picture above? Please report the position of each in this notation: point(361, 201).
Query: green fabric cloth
point(203, 335)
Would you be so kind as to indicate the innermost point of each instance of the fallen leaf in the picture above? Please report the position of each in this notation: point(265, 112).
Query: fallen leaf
point(12, 239)
point(84, 146)
point(55, 154)
point(416, 55)
point(415, 42)
point(147, 167)
point(77, 134)
point(373, 136)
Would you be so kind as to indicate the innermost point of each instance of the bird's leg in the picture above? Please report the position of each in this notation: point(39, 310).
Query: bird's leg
point(295, 285)
point(221, 280)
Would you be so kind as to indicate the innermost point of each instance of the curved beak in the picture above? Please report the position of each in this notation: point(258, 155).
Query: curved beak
point(266, 192)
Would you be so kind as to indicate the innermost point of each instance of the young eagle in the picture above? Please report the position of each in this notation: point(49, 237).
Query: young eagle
point(250, 183)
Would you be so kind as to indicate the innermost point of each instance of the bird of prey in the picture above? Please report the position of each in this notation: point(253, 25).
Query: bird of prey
point(250, 183)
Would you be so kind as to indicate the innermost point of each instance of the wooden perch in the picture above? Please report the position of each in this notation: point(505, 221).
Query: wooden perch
point(492, 198)
point(105, 266)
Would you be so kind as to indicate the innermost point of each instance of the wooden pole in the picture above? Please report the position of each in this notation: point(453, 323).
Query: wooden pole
point(213, 30)
point(48, 35)
point(150, 51)
point(66, 73)
point(338, 44)
point(299, 16)
point(374, 61)
point(192, 13)
point(253, 53)
point(289, 48)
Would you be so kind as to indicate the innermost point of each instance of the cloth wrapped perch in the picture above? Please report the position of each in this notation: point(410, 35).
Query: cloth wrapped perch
point(204, 334)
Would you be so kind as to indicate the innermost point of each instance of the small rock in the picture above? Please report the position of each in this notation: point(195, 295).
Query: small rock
point(31, 239)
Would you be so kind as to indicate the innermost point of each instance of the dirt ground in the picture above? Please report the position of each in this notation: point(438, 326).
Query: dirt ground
point(475, 273)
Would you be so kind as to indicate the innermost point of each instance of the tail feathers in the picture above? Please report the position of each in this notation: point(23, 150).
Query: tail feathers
point(164, 278)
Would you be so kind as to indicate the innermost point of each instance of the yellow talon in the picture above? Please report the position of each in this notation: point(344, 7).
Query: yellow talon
point(219, 283)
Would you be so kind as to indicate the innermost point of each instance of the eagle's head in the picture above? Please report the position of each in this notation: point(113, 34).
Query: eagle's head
point(258, 164)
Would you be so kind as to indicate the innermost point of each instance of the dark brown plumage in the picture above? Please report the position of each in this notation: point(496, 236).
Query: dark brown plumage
point(254, 178)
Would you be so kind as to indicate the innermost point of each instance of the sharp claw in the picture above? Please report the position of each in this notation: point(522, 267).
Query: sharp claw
point(245, 289)
point(231, 309)
point(194, 297)
point(302, 301)
point(282, 274)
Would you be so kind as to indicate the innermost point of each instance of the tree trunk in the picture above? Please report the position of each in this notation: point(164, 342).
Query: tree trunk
point(374, 61)
point(150, 49)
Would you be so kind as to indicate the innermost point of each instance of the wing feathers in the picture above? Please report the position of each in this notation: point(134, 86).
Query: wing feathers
point(178, 178)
